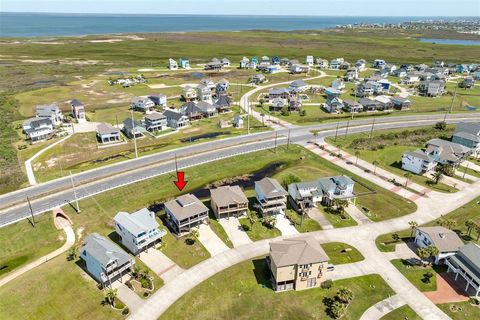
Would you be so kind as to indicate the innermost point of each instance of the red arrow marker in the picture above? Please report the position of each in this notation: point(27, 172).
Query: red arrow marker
point(180, 183)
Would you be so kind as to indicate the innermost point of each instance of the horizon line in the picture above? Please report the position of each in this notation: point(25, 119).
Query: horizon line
point(237, 15)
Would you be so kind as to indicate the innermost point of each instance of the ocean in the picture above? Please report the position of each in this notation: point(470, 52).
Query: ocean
point(55, 24)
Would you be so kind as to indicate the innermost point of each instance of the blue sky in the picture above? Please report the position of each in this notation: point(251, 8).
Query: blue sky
point(249, 7)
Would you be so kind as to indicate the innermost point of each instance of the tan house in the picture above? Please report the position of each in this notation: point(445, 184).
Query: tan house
point(228, 201)
point(297, 264)
point(185, 212)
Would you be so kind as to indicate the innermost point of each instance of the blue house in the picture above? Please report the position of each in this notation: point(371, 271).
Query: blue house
point(184, 63)
point(332, 93)
point(105, 261)
point(255, 60)
point(276, 60)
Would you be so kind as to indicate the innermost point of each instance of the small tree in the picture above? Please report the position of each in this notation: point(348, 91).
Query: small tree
point(340, 204)
point(336, 309)
point(470, 224)
point(110, 295)
point(395, 237)
point(252, 218)
point(436, 176)
point(289, 179)
point(413, 225)
point(315, 135)
point(450, 223)
point(422, 253)
point(442, 125)
point(345, 295)
point(427, 277)
point(72, 253)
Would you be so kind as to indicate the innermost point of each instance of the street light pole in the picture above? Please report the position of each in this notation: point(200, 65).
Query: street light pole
point(74, 192)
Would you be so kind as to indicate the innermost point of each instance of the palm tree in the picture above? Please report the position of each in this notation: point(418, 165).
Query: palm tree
point(252, 218)
point(345, 295)
point(437, 175)
point(110, 295)
point(357, 154)
point(422, 253)
point(336, 309)
point(375, 164)
point(477, 230)
point(450, 223)
point(413, 226)
point(407, 176)
point(340, 204)
point(194, 234)
point(470, 224)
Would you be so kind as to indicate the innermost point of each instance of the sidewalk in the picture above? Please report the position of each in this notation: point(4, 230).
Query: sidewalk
point(16, 273)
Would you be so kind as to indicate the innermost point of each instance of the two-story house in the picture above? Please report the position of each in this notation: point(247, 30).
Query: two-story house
point(271, 196)
point(155, 121)
point(204, 93)
point(446, 241)
point(78, 110)
point(51, 112)
point(189, 93)
point(176, 120)
point(142, 104)
point(431, 88)
point(104, 260)
point(468, 135)
point(106, 133)
point(297, 264)
point(38, 129)
point(447, 152)
point(138, 231)
point(172, 64)
point(159, 99)
point(227, 201)
point(185, 212)
point(466, 263)
point(418, 162)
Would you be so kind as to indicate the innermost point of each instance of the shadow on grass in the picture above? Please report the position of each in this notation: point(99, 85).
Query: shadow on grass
point(262, 273)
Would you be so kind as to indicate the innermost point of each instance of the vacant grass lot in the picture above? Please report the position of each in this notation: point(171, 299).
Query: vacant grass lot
point(402, 313)
point(470, 211)
point(341, 253)
point(415, 274)
point(467, 310)
point(387, 148)
point(244, 292)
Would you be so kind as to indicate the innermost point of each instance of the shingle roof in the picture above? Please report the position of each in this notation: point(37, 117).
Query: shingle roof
point(172, 114)
point(473, 128)
point(271, 188)
point(226, 195)
point(155, 116)
point(141, 221)
point(185, 206)
point(445, 240)
point(419, 154)
point(76, 103)
point(297, 251)
point(449, 150)
point(104, 250)
point(106, 128)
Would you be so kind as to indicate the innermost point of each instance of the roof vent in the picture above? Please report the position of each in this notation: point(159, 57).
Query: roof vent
point(442, 235)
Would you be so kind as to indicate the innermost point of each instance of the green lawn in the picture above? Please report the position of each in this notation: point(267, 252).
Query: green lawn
point(387, 148)
point(415, 274)
point(302, 223)
point(470, 211)
point(402, 313)
point(58, 289)
point(219, 231)
point(243, 292)
point(258, 231)
point(467, 311)
point(21, 243)
point(335, 220)
point(341, 253)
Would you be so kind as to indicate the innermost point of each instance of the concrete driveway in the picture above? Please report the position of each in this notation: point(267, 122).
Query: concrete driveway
point(160, 264)
point(210, 240)
point(235, 232)
point(285, 226)
point(316, 215)
point(128, 296)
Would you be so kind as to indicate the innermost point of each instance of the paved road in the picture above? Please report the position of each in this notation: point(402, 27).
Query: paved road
point(106, 178)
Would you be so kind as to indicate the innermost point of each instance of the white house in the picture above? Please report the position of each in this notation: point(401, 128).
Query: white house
point(271, 196)
point(38, 129)
point(309, 61)
point(143, 104)
point(298, 86)
point(138, 231)
point(52, 112)
point(172, 64)
point(418, 162)
point(447, 241)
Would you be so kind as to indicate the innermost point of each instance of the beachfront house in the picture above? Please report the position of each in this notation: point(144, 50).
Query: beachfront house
point(297, 264)
point(369, 105)
point(283, 93)
point(106, 133)
point(185, 213)
point(38, 129)
point(176, 120)
point(336, 63)
point(225, 62)
point(446, 241)
point(333, 104)
point(222, 87)
point(228, 201)
point(78, 110)
point(214, 65)
point(401, 103)
point(208, 110)
point(105, 261)
point(468, 135)
point(418, 162)
point(192, 111)
point(223, 104)
point(351, 75)
point(466, 263)
point(142, 104)
point(271, 197)
point(305, 195)
point(52, 112)
point(138, 231)
point(155, 121)
point(322, 63)
point(244, 63)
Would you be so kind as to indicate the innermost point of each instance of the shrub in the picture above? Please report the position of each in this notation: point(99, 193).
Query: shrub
point(125, 311)
point(145, 283)
point(326, 284)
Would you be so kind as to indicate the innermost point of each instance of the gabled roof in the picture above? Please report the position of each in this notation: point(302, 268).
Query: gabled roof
point(104, 250)
point(444, 239)
point(76, 103)
point(206, 107)
point(420, 154)
point(448, 150)
point(223, 101)
point(47, 110)
point(227, 195)
point(271, 188)
point(297, 251)
point(141, 221)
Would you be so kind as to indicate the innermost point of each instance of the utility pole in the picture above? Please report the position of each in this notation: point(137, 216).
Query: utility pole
point(176, 163)
point(31, 213)
point(134, 135)
point(465, 171)
point(248, 117)
point(454, 96)
point(346, 130)
point(276, 136)
point(116, 119)
point(336, 132)
point(74, 192)
point(288, 139)
point(371, 130)
point(354, 100)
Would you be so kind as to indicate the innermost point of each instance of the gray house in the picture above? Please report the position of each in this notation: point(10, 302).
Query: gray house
point(138, 231)
point(185, 212)
point(133, 128)
point(447, 152)
point(105, 261)
point(106, 133)
point(176, 120)
point(271, 196)
point(51, 112)
point(38, 129)
point(431, 88)
point(466, 263)
point(468, 135)
point(208, 110)
point(155, 122)
point(306, 194)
